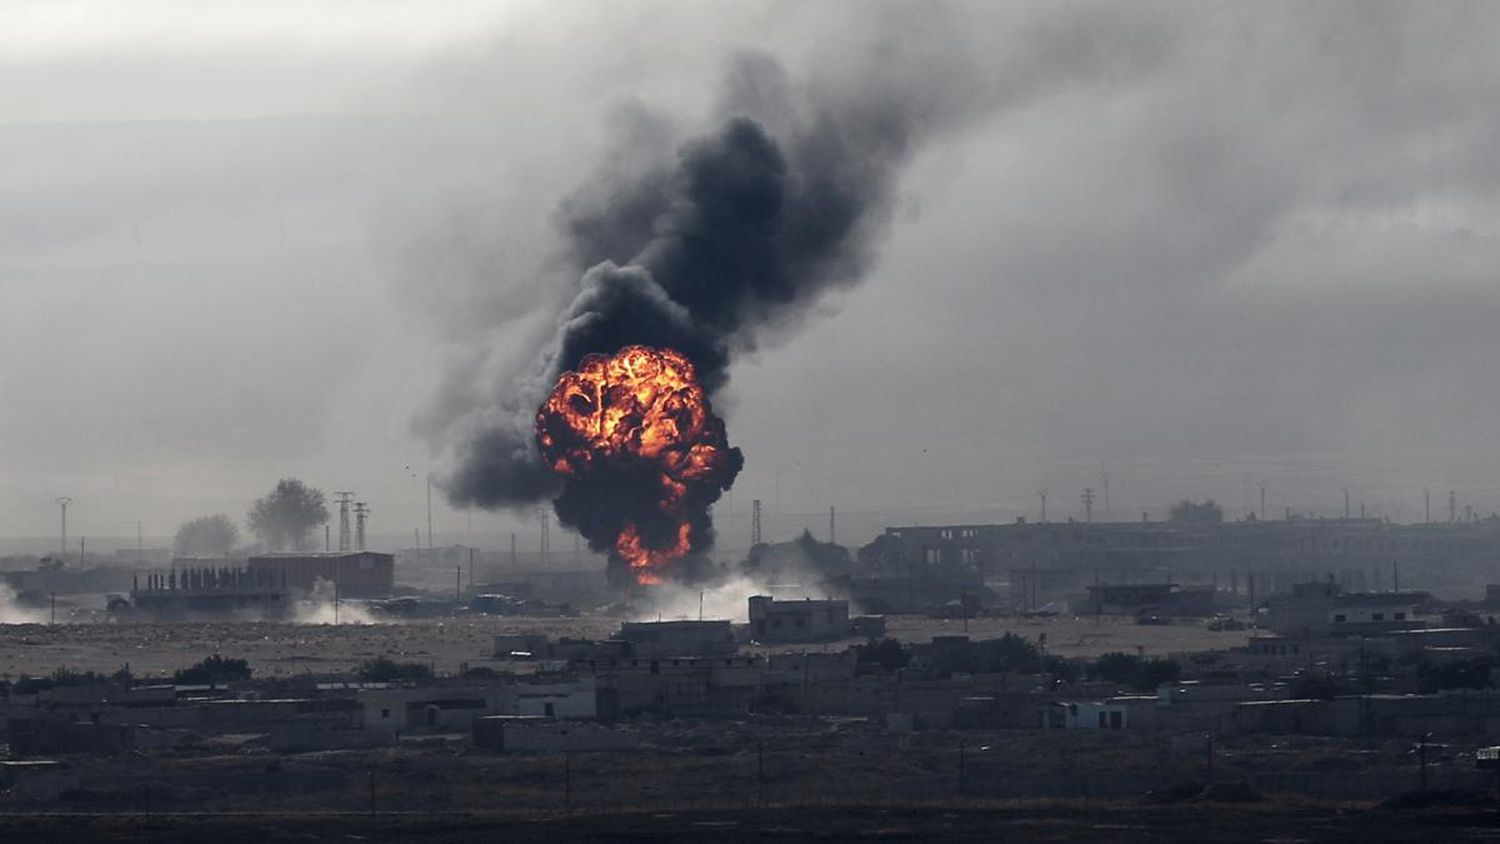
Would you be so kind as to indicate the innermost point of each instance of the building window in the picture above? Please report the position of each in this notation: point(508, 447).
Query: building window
point(1400, 616)
point(1103, 722)
point(1115, 721)
point(1377, 616)
point(385, 713)
point(1340, 618)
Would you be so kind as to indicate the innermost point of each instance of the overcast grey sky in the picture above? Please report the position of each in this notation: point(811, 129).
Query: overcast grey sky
point(1199, 246)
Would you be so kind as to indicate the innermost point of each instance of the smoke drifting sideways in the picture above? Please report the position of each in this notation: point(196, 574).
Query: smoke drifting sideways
point(709, 253)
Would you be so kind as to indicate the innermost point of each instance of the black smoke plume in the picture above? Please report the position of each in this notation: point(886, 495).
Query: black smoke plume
point(706, 250)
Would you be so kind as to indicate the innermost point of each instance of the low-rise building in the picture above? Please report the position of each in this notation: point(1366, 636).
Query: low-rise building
point(1313, 610)
point(354, 574)
point(678, 638)
point(797, 621)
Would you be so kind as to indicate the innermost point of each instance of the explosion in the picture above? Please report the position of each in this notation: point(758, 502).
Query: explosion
point(642, 454)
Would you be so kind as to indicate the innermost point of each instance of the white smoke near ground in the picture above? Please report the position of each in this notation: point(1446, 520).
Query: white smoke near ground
point(322, 606)
point(726, 599)
point(11, 611)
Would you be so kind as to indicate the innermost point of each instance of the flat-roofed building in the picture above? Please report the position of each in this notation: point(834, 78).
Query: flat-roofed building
point(354, 574)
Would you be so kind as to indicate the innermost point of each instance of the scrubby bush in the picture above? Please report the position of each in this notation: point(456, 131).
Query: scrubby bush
point(1134, 672)
point(386, 670)
point(214, 669)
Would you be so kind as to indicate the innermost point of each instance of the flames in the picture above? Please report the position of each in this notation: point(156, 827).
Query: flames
point(631, 426)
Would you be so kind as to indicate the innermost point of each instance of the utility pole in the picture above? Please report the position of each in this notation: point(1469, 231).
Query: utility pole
point(346, 537)
point(1452, 506)
point(1261, 514)
point(1043, 494)
point(1088, 504)
point(1346, 504)
point(429, 510)
point(64, 501)
point(140, 543)
point(1427, 506)
point(832, 536)
point(755, 522)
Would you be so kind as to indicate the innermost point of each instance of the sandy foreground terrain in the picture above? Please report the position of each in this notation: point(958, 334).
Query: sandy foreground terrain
point(286, 649)
point(272, 648)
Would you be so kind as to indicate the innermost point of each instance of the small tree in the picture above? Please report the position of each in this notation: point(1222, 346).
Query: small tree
point(1135, 672)
point(284, 518)
point(215, 669)
point(386, 670)
point(1206, 512)
point(207, 536)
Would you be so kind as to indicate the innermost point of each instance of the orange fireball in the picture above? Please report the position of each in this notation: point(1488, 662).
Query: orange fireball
point(640, 413)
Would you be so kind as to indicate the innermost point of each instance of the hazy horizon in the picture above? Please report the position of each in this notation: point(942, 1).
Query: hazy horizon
point(1201, 247)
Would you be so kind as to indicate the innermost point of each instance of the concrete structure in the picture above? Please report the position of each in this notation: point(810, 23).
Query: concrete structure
point(797, 621)
point(1319, 609)
point(211, 591)
point(1118, 713)
point(355, 574)
point(678, 638)
point(571, 700)
point(435, 707)
point(1045, 562)
point(686, 687)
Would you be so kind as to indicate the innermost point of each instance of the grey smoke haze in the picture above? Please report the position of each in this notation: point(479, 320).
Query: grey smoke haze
point(1202, 246)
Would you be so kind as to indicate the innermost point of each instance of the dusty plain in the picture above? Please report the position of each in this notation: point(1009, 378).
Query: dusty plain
point(287, 649)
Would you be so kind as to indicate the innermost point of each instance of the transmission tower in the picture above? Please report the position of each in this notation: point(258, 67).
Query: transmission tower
point(361, 511)
point(64, 501)
point(345, 538)
point(755, 522)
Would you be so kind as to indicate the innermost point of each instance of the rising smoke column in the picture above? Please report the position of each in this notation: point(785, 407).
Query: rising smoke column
point(741, 231)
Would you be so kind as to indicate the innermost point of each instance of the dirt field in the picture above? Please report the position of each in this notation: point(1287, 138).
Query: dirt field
point(273, 649)
point(283, 649)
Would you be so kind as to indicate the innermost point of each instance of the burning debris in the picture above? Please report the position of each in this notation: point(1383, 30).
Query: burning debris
point(643, 454)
